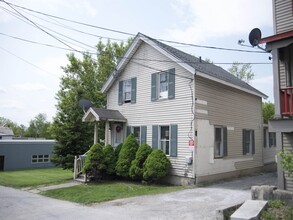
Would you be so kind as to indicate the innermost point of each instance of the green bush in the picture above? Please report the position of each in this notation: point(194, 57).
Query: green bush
point(156, 166)
point(126, 156)
point(117, 151)
point(94, 165)
point(287, 162)
point(110, 160)
point(136, 169)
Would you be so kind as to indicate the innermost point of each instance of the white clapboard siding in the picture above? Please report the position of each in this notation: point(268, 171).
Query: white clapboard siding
point(163, 112)
point(283, 16)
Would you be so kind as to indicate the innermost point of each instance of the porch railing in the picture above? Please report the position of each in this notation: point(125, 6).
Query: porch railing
point(78, 165)
point(287, 101)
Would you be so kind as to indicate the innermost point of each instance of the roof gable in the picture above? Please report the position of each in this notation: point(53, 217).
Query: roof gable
point(190, 63)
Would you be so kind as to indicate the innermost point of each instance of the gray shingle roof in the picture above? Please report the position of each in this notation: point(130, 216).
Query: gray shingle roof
point(108, 114)
point(6, 131)
point(204, 67)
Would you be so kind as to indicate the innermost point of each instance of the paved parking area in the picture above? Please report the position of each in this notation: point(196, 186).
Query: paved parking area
point(196, 203)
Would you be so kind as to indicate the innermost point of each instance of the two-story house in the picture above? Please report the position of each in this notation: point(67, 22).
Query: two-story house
point(281, 47)
point(207, 121)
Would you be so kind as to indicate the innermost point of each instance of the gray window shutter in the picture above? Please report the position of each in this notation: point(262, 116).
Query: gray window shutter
point(133, 90)
point(243, 141)
point(154, 87)
point(155, 134)
point(173, 141)
point(143, 131)
point(171, 84)
point(253, 142)
point(128, 132)
point(225, 142)
point(120, 93)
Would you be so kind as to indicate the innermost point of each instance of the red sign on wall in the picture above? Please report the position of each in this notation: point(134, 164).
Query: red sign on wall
point(191, 143)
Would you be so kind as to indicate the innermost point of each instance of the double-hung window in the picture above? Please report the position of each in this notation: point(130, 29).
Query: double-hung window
point(220, 145)
point(163, 85)
point(248, 142)
point(139, 132)
point(127, 91)
point(165, 139)
point(136, 133)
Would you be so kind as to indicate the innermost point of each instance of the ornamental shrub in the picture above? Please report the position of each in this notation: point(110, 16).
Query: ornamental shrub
point(126, 156)
point(136, 169)
point(117, 151)
point(94, 162)
point(156, 166)
point(110, 160)
point(287, 162)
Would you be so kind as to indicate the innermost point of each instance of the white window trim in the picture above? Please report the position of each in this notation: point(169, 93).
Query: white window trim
point(132, 131)
point(37, 158)
point(159, 139)
point(124, 91)
point(159, 85)
point(250, 142)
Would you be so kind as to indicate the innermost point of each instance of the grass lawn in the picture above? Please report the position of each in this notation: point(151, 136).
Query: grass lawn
point(94, 193)
point(34, 177)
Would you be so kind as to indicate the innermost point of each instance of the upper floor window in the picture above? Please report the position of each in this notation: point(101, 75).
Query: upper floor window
point(163, 85)
point(248, 142)
point(127, 91)
point(220, 146)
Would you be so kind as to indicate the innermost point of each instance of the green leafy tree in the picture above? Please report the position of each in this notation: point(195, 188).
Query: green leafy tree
point(136, 169)
point(126, 156)
point(94, 165)
point(242, 71)
point(268, 110)
point(110, 160)
point(83, 78)
point(156, 166)
point(39, 127)
point(18, 130)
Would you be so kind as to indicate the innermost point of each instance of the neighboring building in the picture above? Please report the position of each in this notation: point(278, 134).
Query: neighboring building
point(6, 133)
point(207, 121)
point(25, 154)
point(281, 47)
point(269, 150)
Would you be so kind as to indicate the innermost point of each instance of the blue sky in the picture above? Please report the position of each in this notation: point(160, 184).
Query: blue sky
point(28, 87)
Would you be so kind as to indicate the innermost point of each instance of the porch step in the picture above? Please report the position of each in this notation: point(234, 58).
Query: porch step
point(250, 209)
point(80, 178)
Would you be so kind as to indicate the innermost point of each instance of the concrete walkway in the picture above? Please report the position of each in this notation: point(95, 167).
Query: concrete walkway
point(45, 188)
point(198, 203)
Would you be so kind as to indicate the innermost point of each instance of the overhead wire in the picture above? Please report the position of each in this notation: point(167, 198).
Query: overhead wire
point(131, 34)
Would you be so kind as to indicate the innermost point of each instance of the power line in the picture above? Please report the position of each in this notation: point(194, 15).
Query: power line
point(130, 34)
point(28, 62)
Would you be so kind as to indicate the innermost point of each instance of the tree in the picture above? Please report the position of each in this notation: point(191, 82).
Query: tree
point(83, 78)
point(110, 160)
point(268, 110)
point(18, 130)
point(242, 71)
point(126, 156)
point(39, 127)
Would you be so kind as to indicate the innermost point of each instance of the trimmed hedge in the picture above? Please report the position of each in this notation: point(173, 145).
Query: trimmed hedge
point(136, 169)
point(110, 160)
point(156, 166)
point(95, 162)
point(126, 156)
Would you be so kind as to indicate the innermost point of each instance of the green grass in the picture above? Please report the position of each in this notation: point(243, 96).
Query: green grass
point(35, 177)
point(94, 193)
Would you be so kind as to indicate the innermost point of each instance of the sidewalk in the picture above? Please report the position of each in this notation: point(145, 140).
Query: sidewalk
point(45, 188)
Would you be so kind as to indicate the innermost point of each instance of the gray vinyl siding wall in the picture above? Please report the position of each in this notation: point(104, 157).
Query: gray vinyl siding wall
point(237, 110)
point(161, 112)
point(18, 153)
point(283, 16)
point(283, 80)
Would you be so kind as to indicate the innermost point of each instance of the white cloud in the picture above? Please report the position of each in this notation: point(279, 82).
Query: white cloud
point(11, 104)
point(213, 19)
point(267, 80)
point(32, 87)
point(2, 91)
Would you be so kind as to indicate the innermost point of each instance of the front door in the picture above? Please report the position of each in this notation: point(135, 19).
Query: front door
point(1, 163)
point(117, 135)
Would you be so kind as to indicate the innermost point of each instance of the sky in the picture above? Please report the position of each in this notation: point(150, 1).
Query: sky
point(30, 73)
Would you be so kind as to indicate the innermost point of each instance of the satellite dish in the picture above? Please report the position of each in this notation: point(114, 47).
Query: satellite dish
point(254, 37)
point(85, 104)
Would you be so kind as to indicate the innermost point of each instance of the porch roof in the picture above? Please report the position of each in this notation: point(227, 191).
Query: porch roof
point(98, 114)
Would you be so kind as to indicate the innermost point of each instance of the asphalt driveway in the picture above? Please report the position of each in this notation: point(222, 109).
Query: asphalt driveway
point(198, 203)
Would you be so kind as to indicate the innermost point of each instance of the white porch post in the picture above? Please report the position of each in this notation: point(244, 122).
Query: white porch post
point(107, 133)
point(96, 136)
